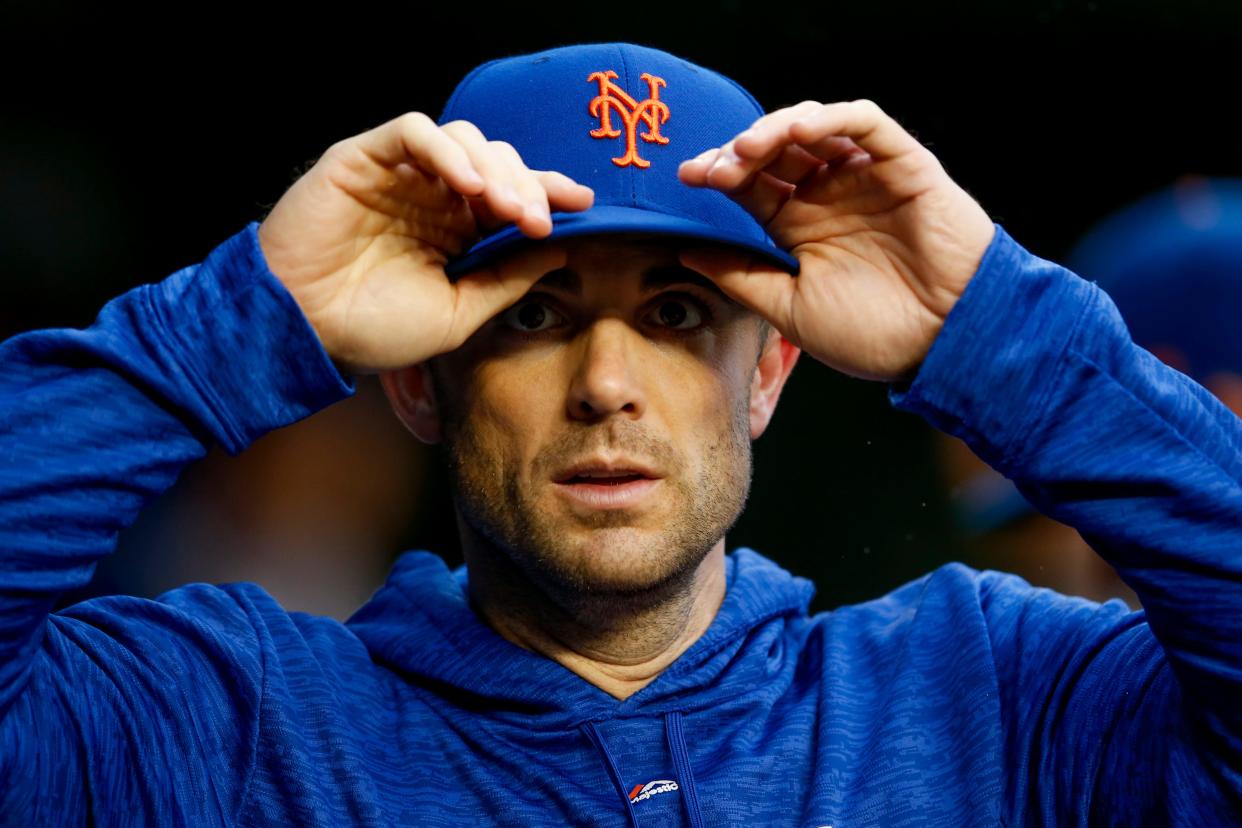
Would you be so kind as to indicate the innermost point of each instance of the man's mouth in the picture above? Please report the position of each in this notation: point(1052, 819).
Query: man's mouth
point(605, 479)
point(601, 484)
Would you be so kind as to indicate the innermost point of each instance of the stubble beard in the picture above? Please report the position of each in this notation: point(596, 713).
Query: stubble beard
point(601, 557)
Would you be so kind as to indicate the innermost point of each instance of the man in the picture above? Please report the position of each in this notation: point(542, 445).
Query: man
point(595, 367)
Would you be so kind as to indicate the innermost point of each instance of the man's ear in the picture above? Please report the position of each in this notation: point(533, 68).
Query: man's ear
point(412, 396)
point(775, 363)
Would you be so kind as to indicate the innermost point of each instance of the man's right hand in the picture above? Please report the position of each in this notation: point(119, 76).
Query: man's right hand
point(362, 238)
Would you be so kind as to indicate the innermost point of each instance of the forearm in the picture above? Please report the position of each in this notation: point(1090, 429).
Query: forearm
point(1048, 388)
point(95, 423)
point(1037, 372)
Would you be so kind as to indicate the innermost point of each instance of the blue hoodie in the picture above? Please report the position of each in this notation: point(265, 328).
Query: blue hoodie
point(962, 698)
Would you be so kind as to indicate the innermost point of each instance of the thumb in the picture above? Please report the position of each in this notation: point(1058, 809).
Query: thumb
point(756, 285)
point(487, 290)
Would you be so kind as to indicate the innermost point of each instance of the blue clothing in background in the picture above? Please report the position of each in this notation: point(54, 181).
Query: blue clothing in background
point(962, 698)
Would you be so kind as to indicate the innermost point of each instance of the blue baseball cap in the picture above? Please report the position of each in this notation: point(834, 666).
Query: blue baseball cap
point(619, 118)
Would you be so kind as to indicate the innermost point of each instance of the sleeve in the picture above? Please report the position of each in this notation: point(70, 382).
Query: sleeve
point(113, 708)
point(1110, 717)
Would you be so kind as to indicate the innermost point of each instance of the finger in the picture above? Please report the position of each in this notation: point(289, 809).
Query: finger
point(444, 218)
point(792, 165)
point(729, 173)
point(693, 171)
point(484, 292)
point(501, 193)
point(788, 161)
point(850, 162)
point(484, 217)
point(823, 130)
point(563, 192)
point(765, 195)
point(832, 148)
point(770, 132)
point(548, 189)
point(863, 122)
point(415, 138)
point(536, 220)
point(760, 287)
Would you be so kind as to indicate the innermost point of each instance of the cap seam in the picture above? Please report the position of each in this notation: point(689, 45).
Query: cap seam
point(465, 84)
point(625, 70)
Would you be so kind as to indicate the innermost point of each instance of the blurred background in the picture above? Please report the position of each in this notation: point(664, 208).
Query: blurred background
point(131, 145)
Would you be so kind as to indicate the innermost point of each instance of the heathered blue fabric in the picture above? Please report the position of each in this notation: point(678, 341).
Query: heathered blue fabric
point(962, 698)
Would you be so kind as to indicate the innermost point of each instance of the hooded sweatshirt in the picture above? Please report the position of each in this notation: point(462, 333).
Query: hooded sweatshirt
point(963, 698)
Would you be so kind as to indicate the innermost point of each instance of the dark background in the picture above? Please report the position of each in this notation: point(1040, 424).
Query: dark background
point(130, 147)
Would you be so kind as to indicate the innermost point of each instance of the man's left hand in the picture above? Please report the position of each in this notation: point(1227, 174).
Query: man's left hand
point(885, 239)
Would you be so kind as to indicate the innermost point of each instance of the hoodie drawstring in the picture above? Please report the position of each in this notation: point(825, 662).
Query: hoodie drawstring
point(597, 739)
point(675, 734)
point(681, 760)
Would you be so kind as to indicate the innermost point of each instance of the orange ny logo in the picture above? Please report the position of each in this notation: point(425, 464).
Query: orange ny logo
point(651, 111)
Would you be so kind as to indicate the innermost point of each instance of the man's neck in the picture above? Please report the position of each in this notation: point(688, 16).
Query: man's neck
point(619, 644)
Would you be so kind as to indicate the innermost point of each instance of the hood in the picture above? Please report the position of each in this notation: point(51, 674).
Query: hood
point(420, 625)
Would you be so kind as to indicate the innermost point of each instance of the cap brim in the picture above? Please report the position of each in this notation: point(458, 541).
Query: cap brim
point(613, 219)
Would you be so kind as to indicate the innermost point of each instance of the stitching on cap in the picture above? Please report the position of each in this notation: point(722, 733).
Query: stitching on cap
point(625, 76)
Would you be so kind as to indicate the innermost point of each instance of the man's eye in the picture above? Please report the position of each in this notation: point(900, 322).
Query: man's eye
point(680, 313)
point(530, 316)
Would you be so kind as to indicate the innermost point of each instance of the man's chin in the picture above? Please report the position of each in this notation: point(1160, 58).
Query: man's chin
point(621, 561)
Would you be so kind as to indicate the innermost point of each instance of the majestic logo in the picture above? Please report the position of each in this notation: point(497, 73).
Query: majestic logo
point(651, 111)
point(655, 786)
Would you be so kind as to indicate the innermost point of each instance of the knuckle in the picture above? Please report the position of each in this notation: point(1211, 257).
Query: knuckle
point(347, 154)
point(413, 121)
point(868, 106)
point(551, 178)
point(339, 148)
point(504, 148)
point(558, 176)
point(460, 126)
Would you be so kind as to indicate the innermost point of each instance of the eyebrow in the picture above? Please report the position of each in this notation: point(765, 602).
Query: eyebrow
point(655, 278)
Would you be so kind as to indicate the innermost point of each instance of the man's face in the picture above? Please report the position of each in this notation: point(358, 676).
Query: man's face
point(621, 359)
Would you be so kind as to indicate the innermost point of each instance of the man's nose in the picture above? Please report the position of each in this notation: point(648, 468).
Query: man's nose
point(606, 377)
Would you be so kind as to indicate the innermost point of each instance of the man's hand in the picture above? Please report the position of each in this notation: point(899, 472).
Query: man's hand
point(885, 239)
point(361, 239)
